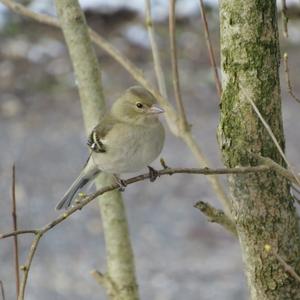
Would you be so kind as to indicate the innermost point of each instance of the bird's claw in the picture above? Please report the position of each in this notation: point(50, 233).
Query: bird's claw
point(121, 183)
point(153, 174)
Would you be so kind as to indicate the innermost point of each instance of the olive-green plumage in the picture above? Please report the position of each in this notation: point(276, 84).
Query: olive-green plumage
point(128, 138)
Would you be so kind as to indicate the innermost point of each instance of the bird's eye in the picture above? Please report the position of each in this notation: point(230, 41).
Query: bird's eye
point(139, 105)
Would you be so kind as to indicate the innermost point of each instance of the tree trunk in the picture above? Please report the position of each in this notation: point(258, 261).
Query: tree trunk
point(262, 206)
point(120, 261)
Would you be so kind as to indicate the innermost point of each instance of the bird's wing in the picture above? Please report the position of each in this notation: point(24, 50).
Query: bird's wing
point(98, 134)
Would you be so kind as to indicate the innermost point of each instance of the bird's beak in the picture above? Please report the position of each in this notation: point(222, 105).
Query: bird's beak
point(155, 109)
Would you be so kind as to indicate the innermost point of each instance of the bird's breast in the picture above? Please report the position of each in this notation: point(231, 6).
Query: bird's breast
point(130, 149)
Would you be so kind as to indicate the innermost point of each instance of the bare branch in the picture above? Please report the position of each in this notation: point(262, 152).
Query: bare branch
point(15, 228)
point(210, 50)
point(271, 134)
point(287, 268)
point(216, 216)
point(155, 53)
point(26, 267)
point(278, 168)
point(22, 10)
point(285, 19)
point(175, 75)
point(105, 281)
point(287, 77)
point(78, 206)
point(19, 232)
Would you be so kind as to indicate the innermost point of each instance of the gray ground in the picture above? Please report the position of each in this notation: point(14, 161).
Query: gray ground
point(179, 255)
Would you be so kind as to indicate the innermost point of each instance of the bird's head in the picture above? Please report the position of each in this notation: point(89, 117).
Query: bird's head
point(136, 105)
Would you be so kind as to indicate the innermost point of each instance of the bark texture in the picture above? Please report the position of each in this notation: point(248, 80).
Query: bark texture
point(262, 207)
point(120, 261)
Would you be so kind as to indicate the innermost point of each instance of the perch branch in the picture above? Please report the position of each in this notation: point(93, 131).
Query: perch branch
point(87, 199)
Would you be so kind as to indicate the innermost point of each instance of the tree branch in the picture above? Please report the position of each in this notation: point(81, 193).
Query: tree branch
point(271, 134)
point(285, 19)
point(15, 227)
point(87, 199)
point(183, 124)
point(165, 171)
point(216, 216)
point(210, 49)
point(119, 254)
point(287, 268)
point(156, 58)
point(278, 168)
point(18, 232)
point(26, 268)
point(106, 282)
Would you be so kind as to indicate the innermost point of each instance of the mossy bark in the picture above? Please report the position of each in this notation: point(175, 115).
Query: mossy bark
point(120, 261)
point(262, 206)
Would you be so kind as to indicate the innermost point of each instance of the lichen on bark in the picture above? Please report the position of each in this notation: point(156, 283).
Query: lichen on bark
point(262, 207)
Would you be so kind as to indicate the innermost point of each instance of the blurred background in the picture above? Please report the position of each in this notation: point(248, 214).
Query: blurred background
point(179, 255)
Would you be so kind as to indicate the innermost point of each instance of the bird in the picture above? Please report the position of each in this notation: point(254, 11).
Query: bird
point(127, 139)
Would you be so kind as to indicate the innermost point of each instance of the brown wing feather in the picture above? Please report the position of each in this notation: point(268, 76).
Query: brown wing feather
point(99, 133)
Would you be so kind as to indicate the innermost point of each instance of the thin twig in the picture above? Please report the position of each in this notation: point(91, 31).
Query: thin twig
point(27, 266)
point(271, 134)
point(287, 77)
point(89, 198)
point(105, 281)
point(285, 19)
point(210, 50)
point(18, 232)
point(155, 53)
point(288, 268)
point(216, 216)
point(15, 228)
point(2, 290)
point(175, 75)
point(278, 168)
point(22, 10)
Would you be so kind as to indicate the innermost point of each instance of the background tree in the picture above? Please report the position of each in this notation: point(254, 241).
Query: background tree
point(263, 208)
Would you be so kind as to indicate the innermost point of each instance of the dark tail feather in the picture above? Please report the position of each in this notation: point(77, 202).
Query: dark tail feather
point(79, 183)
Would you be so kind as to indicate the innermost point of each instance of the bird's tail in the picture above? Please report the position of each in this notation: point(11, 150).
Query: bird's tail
point(88, 173)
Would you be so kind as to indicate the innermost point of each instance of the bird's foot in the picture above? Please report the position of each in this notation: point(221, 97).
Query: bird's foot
point(153, 174)
point(122, 184)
